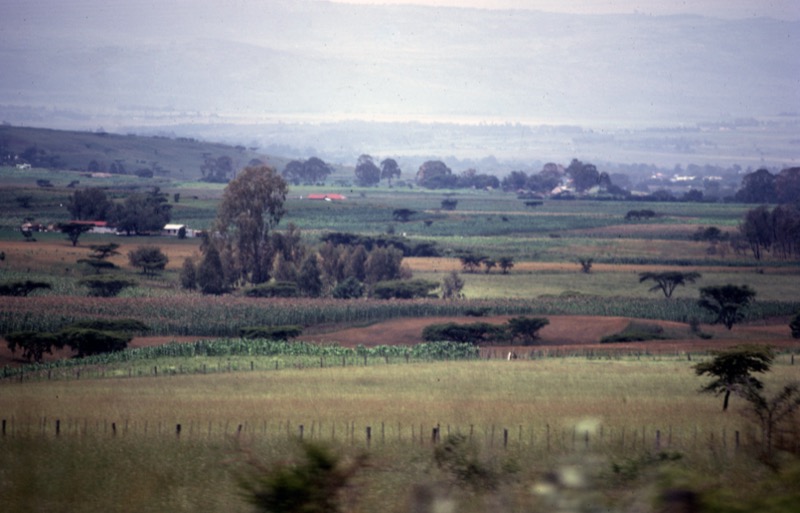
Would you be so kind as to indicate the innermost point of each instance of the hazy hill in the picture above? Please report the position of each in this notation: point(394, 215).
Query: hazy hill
point(176, 158)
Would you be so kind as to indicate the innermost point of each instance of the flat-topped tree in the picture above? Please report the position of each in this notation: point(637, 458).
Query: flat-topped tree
point(667, 281)
point(727, 302)
point(732, 370)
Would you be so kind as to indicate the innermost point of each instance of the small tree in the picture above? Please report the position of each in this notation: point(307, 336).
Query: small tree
point(505, 263)
point(309, 278)
point(471, 262)
point(526, 329)
point(489, 264)
point(732, 370)
point(772, 412)
point(150, 258)
point(727, 302)
point(106, 287)
point(667, 281)
point(188, 275)
point(452, 285)
point(586, 264)
point(210, 275)
point(73, 231)
point(350, 288)
point(34, 344)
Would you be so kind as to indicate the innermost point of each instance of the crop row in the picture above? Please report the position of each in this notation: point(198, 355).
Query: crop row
point(225, 316)
point(285, 354)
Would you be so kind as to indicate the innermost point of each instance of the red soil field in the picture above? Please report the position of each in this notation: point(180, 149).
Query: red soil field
point(563, 333)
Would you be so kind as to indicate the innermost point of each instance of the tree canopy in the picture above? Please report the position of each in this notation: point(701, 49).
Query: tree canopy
point(251, 207)
point(367, 173)
point(732, 368)
point(727, 302)
point(667, 281)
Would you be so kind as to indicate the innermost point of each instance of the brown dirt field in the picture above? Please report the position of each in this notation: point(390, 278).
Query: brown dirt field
point(21, 255)
point(563, 333)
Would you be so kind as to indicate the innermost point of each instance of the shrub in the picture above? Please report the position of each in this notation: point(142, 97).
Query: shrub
point(123, 325)
point(271, 332)
point(404, 289)
point(794, 325)
point(150, 258)
point(88, 341)
point(350, 288)
point(22, 288)
point(274, 289)
point(474, 333)
point(525, 329)
point(106, 287)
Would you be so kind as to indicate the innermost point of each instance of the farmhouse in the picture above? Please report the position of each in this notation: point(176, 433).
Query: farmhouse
point(174, 230)
point(96, 226)
point(326, 197)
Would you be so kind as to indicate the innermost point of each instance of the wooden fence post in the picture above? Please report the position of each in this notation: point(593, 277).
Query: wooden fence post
point(4, 427)
point(369, 436)
point(302, 428)
point(58, 427)
point(178, 430)
point(505, 438)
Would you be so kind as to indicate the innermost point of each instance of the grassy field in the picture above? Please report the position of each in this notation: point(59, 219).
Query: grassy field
point(607, 432)
point(524, 419)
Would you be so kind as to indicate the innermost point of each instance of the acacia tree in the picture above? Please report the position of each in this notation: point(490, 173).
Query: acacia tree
point(727, 302)
point(732, 370)
point(667, 281)
point(505, 263)
point(252, 206)
point(150, 258)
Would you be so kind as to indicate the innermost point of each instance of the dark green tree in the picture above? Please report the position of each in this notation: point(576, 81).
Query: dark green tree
point(732, 370)
point(73, 231)
point(188, 274)
point(91, 204)
point(667, 281)
point(251, 208)
point(794, 325)
point(143, 212)
point(402, 214)
point(349, 288)
point(726, 302)
point(505, 263)
point(367, 173)
point(383, 264)
point(106, 286)
point(434, 174)
point(389, 170)
point(309, 279)
point(526, 329)
point(22, 288)
point(770, 413)
point(758, 187)
point(87, 341)
point(404, 289)
point(150, 258)
point(34, 344)
point(210, 274)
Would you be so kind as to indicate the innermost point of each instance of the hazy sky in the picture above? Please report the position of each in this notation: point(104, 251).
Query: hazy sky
point(289, 59)
point(779, 9)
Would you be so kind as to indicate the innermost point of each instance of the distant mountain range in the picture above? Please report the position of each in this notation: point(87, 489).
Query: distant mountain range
point(198, 68)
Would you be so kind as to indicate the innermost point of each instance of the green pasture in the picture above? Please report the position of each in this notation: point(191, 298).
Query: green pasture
point(117, 446)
